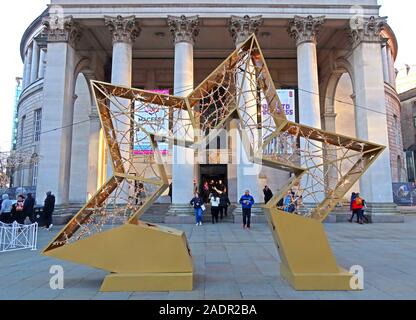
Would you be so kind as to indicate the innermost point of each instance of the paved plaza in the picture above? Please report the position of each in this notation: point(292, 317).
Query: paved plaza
point(231, 263)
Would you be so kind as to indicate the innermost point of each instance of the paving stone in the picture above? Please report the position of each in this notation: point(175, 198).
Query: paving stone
point(231, 263)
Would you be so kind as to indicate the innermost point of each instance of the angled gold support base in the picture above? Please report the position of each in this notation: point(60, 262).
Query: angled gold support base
point(140, 257)
point(148, 282)
point(308, 263)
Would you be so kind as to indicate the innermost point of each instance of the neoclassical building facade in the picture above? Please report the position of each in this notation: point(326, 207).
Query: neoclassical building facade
point(339, 60)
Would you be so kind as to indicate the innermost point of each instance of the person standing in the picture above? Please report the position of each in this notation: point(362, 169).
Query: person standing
point(18, 213)
point(48, 209)
point(353, 196)
point(224, 203)
point(215, 207)
point(170, 192)
point(268, 194)
point(29, 208)
point(6, 208)
point(205, 192)
point(246, 202)
point(197, 202)
point(357, 208)
point(288, 201)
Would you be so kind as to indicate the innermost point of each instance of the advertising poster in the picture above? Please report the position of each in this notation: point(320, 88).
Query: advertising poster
point(404, 194)
point(154, 118)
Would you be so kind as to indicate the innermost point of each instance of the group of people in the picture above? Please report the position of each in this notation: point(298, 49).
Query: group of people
point(357, 207)
point(24, 207)
point(289, 203)
point(219, 206)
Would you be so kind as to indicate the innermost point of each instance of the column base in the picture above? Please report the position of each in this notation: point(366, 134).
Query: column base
point(384, 213)
point(257, 215)
point(180, 214)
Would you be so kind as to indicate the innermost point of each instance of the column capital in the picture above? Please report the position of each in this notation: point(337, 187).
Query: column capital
point(366, 30)
point(58, 29)
point(184, 29)
point(305, 29)
point(243, 27)
point(123, 29)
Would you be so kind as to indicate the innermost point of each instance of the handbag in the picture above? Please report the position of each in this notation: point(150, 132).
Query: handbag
point(203, 207)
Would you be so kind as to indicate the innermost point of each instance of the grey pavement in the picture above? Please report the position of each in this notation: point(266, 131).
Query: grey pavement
point(232, 263)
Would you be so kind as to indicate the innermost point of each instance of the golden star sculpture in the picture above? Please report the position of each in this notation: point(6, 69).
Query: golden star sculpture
point(147, 257)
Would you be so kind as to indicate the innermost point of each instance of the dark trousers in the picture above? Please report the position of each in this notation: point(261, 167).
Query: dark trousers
point(223, 211)
point(246, 217)
point(47, 218)
point(214, 213)
point(359, 213)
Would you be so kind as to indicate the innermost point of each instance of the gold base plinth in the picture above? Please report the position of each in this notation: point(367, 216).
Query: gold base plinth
point(318, 282)
point(307, 259)
point(148, 282)
point(140, 257)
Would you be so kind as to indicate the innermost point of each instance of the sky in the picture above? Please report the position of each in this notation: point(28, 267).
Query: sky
point(400, 13)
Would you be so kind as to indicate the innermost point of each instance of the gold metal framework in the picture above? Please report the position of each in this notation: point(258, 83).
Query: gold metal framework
point(141, 256)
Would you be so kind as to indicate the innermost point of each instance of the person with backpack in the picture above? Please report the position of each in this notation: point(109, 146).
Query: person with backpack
point(199, 207)
point(357, 208)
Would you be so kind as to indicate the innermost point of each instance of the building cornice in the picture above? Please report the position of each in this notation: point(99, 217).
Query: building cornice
point(36, 24)
point(407, 95)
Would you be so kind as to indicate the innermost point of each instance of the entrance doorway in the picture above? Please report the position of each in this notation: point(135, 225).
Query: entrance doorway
point(215, 175)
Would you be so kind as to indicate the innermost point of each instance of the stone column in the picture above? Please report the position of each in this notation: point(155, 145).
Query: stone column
point(247, 172)
point(371, 125)
point(386, 74)
point(42, 63)
point(184, 31)
point(35, 62)
point(93, 152)
point(304, 30)
point(124, 31)
point(392, 70)
point(27, 67)
point(55, 145)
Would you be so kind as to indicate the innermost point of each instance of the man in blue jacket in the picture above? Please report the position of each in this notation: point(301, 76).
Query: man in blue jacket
point(246, 202)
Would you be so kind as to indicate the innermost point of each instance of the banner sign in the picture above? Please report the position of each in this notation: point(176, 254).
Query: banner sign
point(288, 101)
point(404, 194)
point(153, 118)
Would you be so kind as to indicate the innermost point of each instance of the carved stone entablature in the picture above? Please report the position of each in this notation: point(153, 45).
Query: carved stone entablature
point(184, 29)
point(366, 30)
point(243, 27)
point(123, 29)
point(61, 29)
point(305, 29)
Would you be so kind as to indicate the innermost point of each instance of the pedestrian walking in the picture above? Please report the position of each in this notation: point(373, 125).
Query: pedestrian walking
point(268, 194)
point(357, 208)
point(224, 203)
point(48, 208)
point(246, 202)
point(198, 205)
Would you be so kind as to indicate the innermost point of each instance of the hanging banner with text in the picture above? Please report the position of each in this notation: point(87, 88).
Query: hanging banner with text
point(153, 118)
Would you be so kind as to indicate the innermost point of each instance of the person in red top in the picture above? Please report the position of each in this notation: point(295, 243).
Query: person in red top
point(357, 208)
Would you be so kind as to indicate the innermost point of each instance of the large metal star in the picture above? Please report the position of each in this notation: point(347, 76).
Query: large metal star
point(324, 165)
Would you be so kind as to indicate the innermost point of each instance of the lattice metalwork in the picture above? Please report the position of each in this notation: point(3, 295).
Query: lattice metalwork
point(324, 166)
